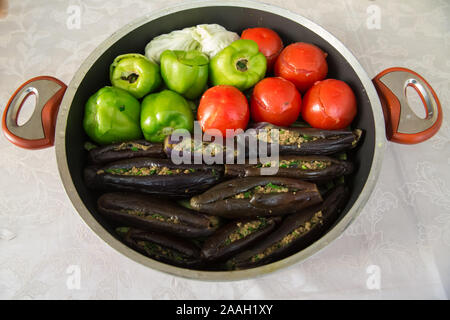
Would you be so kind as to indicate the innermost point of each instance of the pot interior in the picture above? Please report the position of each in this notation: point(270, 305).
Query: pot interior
point(235, 19)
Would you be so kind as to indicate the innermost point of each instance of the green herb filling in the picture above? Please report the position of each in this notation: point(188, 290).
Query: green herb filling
point(157, 251)
point(245, 229)
point(290, 237)
point(146, 171)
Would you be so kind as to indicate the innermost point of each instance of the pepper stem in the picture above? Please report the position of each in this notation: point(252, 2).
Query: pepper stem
point(241, 65)
point(131, 78)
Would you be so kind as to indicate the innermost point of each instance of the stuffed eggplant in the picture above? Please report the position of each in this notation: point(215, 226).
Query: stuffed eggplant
point(308, 141)
point(152, 214)
point(161, 247)
point(153, 176)
point(257, 196)
point(237, 236)
point(310, 168)
point(296, 232)
point(190, 149)
point(126, 150)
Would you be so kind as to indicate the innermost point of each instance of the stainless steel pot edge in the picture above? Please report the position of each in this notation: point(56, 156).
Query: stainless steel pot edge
point(335, 232)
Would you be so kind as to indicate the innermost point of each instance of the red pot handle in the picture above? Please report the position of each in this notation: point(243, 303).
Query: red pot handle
point(39, 131)
point(402, 124)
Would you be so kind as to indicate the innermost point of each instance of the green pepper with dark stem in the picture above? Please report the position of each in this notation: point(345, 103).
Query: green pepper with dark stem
point(135, 73)
point(164, 112)
point(112, 115)
point(240, 65)
point(185, 72)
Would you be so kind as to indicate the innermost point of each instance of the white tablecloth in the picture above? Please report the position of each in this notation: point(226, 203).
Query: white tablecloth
point(402, 237)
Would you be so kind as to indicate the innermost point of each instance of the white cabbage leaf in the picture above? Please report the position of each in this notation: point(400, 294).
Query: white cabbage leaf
point(213, 38)
point(207, 38)
point(176, 40)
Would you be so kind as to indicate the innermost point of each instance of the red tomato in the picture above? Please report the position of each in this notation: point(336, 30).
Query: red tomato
point(303, 64)
point(269, 43)
point(275, 100)
point(223, 107)
point(330, 104)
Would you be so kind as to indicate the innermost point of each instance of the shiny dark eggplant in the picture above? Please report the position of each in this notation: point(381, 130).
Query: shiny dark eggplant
point(296, 232)
point(153, 214)
point(153, 176)
point(236, 236)
point(189, 148)
point(257, 196)
point(162, 247)
point(309, 141)
point(310, 168)
point(126, 150)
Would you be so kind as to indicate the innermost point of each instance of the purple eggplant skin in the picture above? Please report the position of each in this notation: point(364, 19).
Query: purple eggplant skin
point(220, 200)
point(317, 141)
point(336, 169)
point(287, 238)
point(162, 247)
point(177, 185)
point(126, 150)
point(219, 247)
point(171, 142)
point(158, 215)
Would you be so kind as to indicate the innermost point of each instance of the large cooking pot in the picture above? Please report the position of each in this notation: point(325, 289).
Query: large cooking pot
point(385, 94)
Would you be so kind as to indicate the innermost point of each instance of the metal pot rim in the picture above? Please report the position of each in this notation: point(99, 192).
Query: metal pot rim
point(332, 234)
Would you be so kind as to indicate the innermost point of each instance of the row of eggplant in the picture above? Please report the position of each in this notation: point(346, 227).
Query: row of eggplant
point(163, 177)
point(291, 141)
point(222, 216)
point(185, 238)
point(143, 167)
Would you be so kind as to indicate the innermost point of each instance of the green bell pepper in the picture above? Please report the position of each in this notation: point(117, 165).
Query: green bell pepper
point(240, 65)
point(135, 73)
point(164, 112)
point(112, 115)
point(185, 72)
